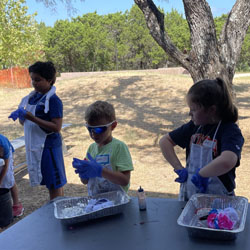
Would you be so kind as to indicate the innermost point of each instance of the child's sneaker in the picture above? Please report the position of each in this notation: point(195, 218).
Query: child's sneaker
point(17, 210)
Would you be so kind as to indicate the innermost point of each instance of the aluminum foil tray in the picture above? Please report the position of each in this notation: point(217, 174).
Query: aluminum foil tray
point(199, 229)
point(71, 210)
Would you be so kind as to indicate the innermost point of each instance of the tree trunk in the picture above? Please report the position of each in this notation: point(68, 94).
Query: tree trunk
point(208, 57)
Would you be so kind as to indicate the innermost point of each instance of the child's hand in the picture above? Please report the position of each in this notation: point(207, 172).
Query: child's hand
point(200, 182)
point(19, 113)
point(87, 169)
point(183, 175)
point(77, 163)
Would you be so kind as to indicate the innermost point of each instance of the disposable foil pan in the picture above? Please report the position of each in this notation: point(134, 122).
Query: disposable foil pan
point(197, 228)
point(75, 207)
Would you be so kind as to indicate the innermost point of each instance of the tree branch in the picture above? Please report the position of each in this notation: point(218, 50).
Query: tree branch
point(204, 44)
point(233, 34)
point(52, 5)
point(208, 57)
point(155, 22)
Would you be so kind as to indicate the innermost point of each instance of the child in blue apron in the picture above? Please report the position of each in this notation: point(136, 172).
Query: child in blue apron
point(41, 113)
point(7, 179)
point(212, 139)
point(108, 163)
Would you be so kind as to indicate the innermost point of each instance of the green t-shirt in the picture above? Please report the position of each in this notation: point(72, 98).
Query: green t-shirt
point(114, 156)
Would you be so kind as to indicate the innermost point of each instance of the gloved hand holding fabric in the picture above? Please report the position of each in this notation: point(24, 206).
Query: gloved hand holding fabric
point(19, 113)
point(200, 182)
point(87, 169)
point(77, 163)
point(183, 175)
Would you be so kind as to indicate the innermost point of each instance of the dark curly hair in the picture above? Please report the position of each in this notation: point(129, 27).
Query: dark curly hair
point(46, 70)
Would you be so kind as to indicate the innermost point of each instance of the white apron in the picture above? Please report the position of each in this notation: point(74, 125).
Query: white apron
point(200, 156)
point(34, 141)
point(8, 180)
point(101, 185)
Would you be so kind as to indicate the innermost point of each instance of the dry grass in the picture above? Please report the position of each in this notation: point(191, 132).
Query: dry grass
point(148, 105)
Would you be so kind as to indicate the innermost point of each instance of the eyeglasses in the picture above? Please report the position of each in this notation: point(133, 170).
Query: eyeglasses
point(98, 129)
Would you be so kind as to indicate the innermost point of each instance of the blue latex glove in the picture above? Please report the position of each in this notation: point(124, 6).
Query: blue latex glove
point(19, 113)
point(183, 175)
point(200, 182)
point(77, 163)
point(87, 169)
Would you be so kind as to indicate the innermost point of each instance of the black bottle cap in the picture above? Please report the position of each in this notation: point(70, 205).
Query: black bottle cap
point(140, 189)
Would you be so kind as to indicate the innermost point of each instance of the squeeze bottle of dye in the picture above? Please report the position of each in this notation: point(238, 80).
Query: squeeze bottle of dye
point(141, 199)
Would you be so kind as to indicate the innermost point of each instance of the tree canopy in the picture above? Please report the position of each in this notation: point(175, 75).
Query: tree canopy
point(20, 43)
point(92, 42)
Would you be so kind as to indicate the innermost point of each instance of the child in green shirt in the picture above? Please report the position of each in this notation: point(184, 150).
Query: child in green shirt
point(108, 163)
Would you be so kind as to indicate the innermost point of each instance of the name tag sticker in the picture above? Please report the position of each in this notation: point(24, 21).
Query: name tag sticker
point(102, 159)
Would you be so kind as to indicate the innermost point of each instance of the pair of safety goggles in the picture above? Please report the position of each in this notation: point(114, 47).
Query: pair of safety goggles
point(98, 129)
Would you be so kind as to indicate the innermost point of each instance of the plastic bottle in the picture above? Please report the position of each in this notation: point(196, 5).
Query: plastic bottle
point(141, 199)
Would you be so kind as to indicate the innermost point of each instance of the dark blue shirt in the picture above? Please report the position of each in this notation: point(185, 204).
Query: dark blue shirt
point(55, 111)
point(228, 138)
point(5, 146)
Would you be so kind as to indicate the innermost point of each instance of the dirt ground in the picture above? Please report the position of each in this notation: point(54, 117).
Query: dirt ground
point(148, 104)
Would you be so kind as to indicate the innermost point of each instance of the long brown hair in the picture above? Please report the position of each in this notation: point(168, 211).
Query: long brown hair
point(214, 92)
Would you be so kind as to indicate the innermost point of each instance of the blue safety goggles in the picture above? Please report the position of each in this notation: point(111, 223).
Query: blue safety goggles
point(98, 129)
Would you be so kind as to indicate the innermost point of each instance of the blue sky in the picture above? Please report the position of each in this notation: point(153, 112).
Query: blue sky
point(111, 6)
